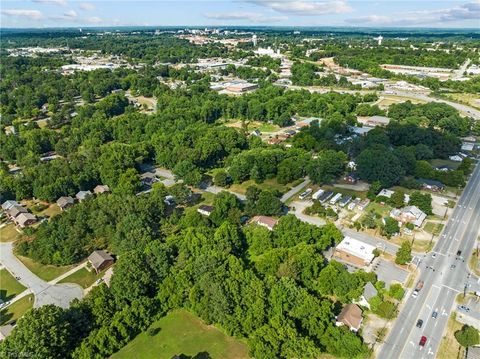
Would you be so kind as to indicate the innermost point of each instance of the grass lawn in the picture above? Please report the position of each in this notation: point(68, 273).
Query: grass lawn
point(433, 228)
point(439, 162)
point(268, 184)
point(83, 277)
point(207, 198)
point(52, 210)
point(16, 310)
point(346, 191)
point(449, 347)
point(475, 262)
point(44, 271)
point(9, 233)
point(9, 286)
point(181, 332)
point(267, 127)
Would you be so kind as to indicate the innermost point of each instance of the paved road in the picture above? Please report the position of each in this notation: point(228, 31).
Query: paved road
point(295, 190)
point(45, 293)
point(442, 283)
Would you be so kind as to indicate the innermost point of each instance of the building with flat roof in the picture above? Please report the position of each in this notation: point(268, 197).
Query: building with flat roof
point(354, 252)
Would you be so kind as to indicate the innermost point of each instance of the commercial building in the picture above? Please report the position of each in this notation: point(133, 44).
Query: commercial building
point(354, 252)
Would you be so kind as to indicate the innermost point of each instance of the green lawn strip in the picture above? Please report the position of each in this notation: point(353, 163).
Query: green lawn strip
point(9, 233)
point(83, 277)
point(16, 310)
point(181, 332)
point(46, 272)
point(9, 286)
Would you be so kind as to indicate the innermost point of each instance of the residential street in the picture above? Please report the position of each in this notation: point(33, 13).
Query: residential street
point(295, 190)
point(45, 293)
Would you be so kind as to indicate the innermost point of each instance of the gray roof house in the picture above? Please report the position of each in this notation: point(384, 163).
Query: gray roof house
point(81, 195)
point(9, 204)
point(100, 260)
point(15, 210)
point(25, 219)
point(369, 291)
point(65, 202)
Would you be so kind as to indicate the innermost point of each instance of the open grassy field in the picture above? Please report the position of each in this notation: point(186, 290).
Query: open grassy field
point(16, 310)
point(181, 332)
point(449, 347)
point(9, 286)
point(9, 233)
point(83, 277)
point(268, 184)
point(252, 125)
point(386, 101)
point(466, 98)
point(44, 271)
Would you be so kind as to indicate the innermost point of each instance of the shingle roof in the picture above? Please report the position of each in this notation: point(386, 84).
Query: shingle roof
point(98, 257)
point(9, 204)
point(351, 315)
point(369, 291)
point(22, 218)
point(15, 210)
point(64, 201)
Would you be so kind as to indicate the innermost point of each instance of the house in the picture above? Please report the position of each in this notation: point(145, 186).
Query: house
point(344, 201)
point(65, 202)
point(351, 316)
point(5, 331)
point(354, 252)
point(351, 178)
point(82, 195)
point(325, 196)
point(265, 221)
point(100, 260)
point(385, 193)
point(456, 158)
point(378, 121)
point(351, 206)
point(241, 87)
point(363, 204)
point(101, 188)
point(148, 178)
point(205, 210)
point(15, 210)
point(468, 146)
point(25, 219)
point(361, 131)
point(431, 185)
point(369, 291)
point(409, 214)
point(9, 204)
point(290, 132)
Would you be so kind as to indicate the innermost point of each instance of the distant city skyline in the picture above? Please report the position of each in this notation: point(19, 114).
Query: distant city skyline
point(381, 13)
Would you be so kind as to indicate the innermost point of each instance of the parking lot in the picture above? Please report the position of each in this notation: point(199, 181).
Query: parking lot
point(388, 272)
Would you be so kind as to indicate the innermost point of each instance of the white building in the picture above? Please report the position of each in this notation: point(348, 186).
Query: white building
point(354, 252)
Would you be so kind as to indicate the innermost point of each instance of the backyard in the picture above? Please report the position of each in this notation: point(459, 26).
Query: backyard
point(181, 332)
point(9, 233)
point(83, 277)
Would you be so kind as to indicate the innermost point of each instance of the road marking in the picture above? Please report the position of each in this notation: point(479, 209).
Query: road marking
point(436, 286)
point(455, 290)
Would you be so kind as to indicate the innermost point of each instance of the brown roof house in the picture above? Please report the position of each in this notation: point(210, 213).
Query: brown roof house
point(100, 260)
point(265, 221)
point(65, 202)
point(351, 316)
point(101, 188)
point(25, 219)
point(15, 210)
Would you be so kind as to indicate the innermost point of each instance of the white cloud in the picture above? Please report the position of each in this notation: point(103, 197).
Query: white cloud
point(93, 20)
point(248, 16)
point(87, 6)
point(305, 8)
point(466, 11)
point(55, 2)
point(31, 14)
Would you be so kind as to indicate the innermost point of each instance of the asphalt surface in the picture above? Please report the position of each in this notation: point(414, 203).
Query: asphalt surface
point(445, 276)
point(45, 293)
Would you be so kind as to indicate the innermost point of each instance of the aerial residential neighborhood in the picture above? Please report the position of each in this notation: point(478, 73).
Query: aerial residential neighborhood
point(240, 179)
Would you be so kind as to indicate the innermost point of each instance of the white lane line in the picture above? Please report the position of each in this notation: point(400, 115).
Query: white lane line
point(455, 290)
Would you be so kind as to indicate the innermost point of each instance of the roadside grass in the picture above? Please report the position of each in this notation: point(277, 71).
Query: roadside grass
point(46, 272)
point(268, 184)
point(449, 347)
point(9, 286)
point(433, 228)
point(474, 262)
point(16, 310)
point(466, 98)
point(181, 332)
point(83, 277)
point(9, 233)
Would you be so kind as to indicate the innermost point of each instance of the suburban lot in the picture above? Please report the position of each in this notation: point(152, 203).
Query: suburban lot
point(44, 271)
point(82, 277)
point(181, 332)
point(9, 233)
point(16, 310)
point(9, 286)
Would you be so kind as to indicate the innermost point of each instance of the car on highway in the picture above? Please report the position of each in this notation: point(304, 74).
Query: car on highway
point(434, 255)
point(434, 315)
point(419, 323)
point(459, 253)
point(452, 266)
point(423, 340)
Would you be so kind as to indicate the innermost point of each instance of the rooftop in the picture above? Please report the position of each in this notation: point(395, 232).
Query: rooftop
point(357, 248)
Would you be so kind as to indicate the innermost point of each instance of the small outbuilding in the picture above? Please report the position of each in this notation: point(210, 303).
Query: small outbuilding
point(205, 210)
point(82, 195)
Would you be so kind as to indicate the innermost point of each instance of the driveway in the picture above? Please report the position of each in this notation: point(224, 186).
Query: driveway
point(294, 190)
point(299, 207)
point(45, 293)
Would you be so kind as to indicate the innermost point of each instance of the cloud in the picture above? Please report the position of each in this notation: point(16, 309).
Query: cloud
point(466, 11)
point(305, 8)
point(68, 15)
point(93, 20)
point(87, 6)
point(31, 14)
point(248, 16)
point(55, 2)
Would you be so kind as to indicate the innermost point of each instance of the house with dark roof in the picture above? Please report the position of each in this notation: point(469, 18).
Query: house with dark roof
point(351, 316)
point(65, 202)
point(431, 185)
point(205, 210)
point(100, 260)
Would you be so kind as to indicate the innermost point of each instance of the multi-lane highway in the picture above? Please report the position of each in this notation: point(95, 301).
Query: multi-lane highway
point(445, 275)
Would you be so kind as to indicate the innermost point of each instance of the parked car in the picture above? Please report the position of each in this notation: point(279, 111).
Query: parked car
point(419, 323)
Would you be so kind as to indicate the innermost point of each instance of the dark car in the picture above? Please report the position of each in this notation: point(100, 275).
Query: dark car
point(423, 340)
point(459, 253)
point(434, 315)
point(419, 323)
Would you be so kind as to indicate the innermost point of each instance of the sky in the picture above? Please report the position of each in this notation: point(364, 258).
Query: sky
point(360, 13)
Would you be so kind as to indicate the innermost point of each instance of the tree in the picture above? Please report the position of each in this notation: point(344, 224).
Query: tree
point(390, 227)
point(379, 165)
point(226, 207)
point(422, 201)
point(327, 166)
point(222, 179)
point(397, 199)
point(404, 253)
point(468, 336)
point(396, 291)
